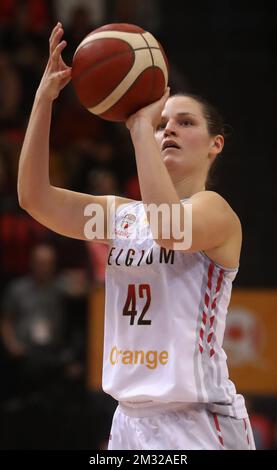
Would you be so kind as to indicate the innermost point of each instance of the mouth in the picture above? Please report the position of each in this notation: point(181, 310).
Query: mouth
point(170, 144)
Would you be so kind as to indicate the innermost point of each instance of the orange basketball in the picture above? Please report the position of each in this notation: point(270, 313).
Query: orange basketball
point(118, 69)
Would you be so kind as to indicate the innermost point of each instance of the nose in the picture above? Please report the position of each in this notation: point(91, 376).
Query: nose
point(169, 128)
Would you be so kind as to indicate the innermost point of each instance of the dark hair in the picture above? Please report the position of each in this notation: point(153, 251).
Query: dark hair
point(215, 125)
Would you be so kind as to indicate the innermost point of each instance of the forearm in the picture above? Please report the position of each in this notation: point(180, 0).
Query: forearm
point(155, 183)
point(33, 172)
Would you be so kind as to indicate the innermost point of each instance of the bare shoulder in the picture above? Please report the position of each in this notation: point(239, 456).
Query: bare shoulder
point(225, 220)
point(210, 197)
point(215, 203)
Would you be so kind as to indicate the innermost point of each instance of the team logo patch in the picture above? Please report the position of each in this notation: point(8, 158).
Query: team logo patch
point(125, 225)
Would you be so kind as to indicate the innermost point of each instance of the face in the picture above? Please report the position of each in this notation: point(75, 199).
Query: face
point(43, 262)
point(186, 147)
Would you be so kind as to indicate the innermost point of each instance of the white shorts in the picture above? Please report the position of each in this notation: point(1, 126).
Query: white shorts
point(188, 427)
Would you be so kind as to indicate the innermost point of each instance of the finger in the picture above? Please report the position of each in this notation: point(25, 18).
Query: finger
point(54, 41)
point(165, 96)
point(62, 64)
point(166, 92)
point(54, 30)
point(128, 123)
point(64, 74)
point(55, 57)
point(66, 79)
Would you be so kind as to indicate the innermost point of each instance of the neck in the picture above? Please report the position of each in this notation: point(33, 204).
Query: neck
point(189, 186)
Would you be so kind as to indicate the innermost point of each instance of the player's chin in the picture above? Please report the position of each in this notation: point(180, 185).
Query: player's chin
point(171, 159)
point(171, 153)
point(172, 166)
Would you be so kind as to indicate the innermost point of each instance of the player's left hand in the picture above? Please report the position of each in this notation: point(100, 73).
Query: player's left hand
point(151, 113)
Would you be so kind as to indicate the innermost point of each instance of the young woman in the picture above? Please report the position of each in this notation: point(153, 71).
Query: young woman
point(165, 307)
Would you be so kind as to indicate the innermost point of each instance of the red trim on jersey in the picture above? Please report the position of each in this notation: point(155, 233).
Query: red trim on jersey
point(246, 432)
point(212, 317)
point(207, 299)
point(206, 306)
point(210, 273)
point(212, 352)
point(219, 281)
point(218, 430)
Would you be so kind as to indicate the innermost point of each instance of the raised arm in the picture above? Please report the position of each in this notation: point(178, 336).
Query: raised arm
point(59, 209)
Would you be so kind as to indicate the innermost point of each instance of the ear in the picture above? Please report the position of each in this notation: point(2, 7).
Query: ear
point(217, 145)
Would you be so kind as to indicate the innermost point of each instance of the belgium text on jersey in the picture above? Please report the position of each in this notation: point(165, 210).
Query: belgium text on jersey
point(133, 257)
point(159, 222)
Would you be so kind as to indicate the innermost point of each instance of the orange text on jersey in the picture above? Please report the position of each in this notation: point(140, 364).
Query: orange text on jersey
point(150, 359)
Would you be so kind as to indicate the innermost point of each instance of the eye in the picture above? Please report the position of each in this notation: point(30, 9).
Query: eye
point(186, 123)
point(161, 126)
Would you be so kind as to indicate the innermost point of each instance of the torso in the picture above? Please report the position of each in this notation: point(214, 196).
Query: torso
point(164, 322)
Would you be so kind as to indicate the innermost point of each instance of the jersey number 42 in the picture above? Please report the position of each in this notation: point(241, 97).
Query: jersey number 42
point(130, 307)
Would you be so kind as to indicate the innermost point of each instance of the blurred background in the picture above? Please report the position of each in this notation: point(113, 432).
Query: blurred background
point(52, 287)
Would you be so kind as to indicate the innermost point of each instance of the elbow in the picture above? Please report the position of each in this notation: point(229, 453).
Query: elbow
point(27, 195)
point(23, 198)
point(22, 201)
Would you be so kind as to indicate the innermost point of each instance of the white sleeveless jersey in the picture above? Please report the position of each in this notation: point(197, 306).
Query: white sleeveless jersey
point(164, 323)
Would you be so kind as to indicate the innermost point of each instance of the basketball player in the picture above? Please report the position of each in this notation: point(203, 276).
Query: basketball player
point(165, 308)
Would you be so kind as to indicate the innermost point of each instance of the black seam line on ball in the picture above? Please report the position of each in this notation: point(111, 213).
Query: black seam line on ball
point(153, 65)
point(118, 39)
point(148, 47)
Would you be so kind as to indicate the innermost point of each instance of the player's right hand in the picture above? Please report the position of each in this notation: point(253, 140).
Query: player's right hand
point(57, 74)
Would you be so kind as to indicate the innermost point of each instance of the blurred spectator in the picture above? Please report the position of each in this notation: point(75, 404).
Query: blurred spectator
point(34, 327)
point(10, 92)
point(87, 156)
point(80, 24)
point(18, 234)
point(102, 182)
point(18, 231)
point(72, 119)
point(65, 10)
point(25, 23)
point(31, 15)
point(140, 12)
